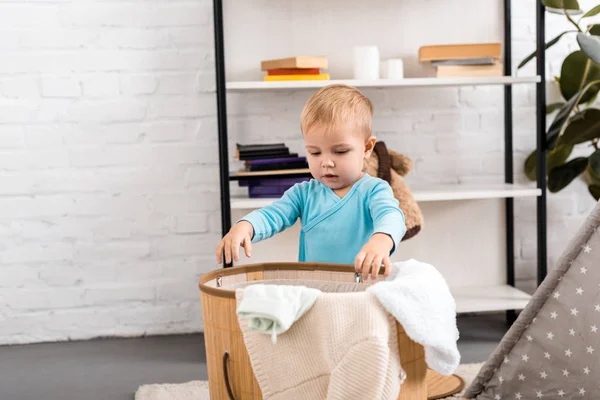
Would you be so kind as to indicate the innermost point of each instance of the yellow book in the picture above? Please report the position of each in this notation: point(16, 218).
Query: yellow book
point(299, 77)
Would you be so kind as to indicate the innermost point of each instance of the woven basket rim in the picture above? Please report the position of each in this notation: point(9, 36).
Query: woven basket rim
point(269, 266)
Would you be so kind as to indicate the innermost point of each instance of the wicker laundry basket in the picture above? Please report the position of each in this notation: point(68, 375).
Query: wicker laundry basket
point(229, 370)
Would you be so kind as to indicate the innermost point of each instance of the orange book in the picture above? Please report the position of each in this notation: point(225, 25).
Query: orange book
point(459, 51)
point(293, 71)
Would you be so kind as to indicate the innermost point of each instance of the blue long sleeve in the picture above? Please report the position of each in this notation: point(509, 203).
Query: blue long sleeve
point(276, 217)
point(387, 217)
point(334, 229)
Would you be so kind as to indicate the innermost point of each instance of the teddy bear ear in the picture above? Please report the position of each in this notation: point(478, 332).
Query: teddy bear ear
point(400, 163)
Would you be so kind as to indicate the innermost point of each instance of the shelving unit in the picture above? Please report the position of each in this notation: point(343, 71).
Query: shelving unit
point(485, 297)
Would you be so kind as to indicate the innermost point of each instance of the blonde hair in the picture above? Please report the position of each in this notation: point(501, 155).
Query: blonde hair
point(336, 106)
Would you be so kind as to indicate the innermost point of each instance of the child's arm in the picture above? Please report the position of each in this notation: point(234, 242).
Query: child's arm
point(261, 224)
point(389, 229)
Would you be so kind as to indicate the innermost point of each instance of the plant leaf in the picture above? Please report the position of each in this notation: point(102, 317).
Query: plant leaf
point(595, 30)
point(562, 11)
point(566, 4)
point(550, 108)
point(557, 125)
point(595, 162)
point(554, 158)
point(582, 127)
point(558, 155)
point(547, 46)
point(530, 166)
point(590, 44)
point(577, 71)
point(559, 177)
point(559, 121)
point(593, 178)
point(592, 12)
point(594, 191)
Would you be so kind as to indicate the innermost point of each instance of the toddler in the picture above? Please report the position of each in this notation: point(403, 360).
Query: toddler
point(347, 216)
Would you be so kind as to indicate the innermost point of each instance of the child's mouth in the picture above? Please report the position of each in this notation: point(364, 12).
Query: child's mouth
point(330, 177)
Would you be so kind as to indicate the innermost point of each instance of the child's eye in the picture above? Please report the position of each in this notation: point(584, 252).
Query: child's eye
point(314, 154)
point(341, 152)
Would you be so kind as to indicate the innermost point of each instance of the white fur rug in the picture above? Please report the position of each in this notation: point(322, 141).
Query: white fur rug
point(198, 390)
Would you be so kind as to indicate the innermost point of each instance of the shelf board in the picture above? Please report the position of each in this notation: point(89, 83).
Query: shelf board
point(432, 193)
point(490, 298)
point(381, 83)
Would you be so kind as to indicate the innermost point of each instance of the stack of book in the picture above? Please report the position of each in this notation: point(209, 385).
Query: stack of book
point(269, 169)
point(464, 60)
point(303, 68)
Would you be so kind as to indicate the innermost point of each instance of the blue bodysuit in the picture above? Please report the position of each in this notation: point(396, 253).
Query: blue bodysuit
point(334, 229)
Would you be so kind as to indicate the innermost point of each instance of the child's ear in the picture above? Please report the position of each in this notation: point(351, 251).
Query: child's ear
point(369, 146)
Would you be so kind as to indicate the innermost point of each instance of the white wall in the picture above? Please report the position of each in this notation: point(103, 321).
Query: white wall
point(109, 207)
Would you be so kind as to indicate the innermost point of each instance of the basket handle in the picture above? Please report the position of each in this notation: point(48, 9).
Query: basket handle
point(226, 375)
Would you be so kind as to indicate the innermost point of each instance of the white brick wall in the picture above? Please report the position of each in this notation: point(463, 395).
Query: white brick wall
point(109, 207)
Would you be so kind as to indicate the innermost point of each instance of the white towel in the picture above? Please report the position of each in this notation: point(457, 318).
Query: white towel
point(273, 309)
point(417, 295)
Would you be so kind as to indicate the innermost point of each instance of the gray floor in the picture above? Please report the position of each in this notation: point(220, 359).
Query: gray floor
point(113, 369)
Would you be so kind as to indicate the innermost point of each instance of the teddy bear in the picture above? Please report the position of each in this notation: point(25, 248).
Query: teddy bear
point(391, 167)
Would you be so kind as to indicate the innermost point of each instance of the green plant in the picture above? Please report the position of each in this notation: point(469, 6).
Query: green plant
point(577, 122)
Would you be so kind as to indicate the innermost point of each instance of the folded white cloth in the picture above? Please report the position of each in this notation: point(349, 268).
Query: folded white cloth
point(273, 309)
point(417, 295)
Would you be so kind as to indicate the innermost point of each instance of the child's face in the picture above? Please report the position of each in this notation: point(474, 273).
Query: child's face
point(336, 157)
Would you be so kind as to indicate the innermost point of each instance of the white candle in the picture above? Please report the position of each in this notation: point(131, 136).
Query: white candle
point(395, 69)
point(366, 62)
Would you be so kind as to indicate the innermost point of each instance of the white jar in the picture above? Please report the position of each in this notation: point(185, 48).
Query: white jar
point(395, 68)
point(366, 62)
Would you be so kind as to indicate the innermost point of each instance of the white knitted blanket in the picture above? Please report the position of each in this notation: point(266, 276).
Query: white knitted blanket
point(345, 347)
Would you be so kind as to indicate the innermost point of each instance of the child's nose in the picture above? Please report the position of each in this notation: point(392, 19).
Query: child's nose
point(327, 162)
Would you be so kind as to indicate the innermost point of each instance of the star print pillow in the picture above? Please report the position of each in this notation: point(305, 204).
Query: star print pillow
point(552, 350)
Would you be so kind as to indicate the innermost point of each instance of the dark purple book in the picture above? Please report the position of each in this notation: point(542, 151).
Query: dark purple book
point(273, 191)
point(267, 161)
point(289, 182)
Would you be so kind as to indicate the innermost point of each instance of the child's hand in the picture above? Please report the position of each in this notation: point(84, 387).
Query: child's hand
point(240, 234)
point(374, 253)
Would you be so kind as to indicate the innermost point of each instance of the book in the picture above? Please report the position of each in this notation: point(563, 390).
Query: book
point(269, 181)
point(279, 172)
point(459, 51)
point(270, 167)
point(276, 160)
point(259, 146)
point(261, 151)
point(446, 71)
point(297, 77)
point(465, 61)
point(264, 154)
point(295, 62)
point(276, 163)
point(294, 71)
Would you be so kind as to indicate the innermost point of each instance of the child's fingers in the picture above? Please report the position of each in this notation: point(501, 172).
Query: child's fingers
point(358, 261)
point(376, 267)
point(247, 246)
point(235, 249)
point(227, 248)
point(366, 265)
point(388, 266)
point(219, 252)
